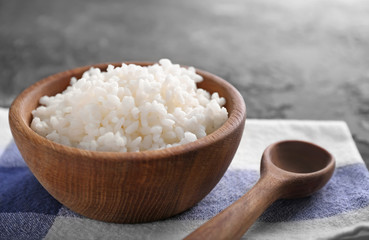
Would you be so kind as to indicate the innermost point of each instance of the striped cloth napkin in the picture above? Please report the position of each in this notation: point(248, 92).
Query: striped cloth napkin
point(340, 210)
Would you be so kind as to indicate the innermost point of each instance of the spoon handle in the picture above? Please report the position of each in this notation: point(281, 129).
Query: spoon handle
point(236, 219)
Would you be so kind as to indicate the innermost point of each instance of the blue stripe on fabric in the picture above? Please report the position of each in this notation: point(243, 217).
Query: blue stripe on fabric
point(27, 210)
point(21, 192)
point(27, 226)
point(347, 190)
point(11, 157)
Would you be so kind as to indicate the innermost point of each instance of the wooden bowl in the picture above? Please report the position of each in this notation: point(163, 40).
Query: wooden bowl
point(127, 187)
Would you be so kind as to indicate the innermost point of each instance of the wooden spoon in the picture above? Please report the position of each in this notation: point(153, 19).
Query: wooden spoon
point(289, 169)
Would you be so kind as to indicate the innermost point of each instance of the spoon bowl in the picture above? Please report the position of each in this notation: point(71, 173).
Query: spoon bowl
point(289, 169)
point(302, 167)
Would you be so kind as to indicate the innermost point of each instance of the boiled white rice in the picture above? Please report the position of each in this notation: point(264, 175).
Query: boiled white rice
point(130, 108)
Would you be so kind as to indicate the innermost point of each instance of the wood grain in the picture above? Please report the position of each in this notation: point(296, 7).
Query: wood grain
point(127, 187)
point(289, 169)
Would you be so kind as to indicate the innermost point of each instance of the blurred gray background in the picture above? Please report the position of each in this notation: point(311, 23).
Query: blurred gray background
point(290, 59)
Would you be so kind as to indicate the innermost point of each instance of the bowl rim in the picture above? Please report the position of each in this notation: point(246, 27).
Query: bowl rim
point(235, 118)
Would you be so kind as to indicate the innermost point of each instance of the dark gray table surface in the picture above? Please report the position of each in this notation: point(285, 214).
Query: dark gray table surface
point(289, 59)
